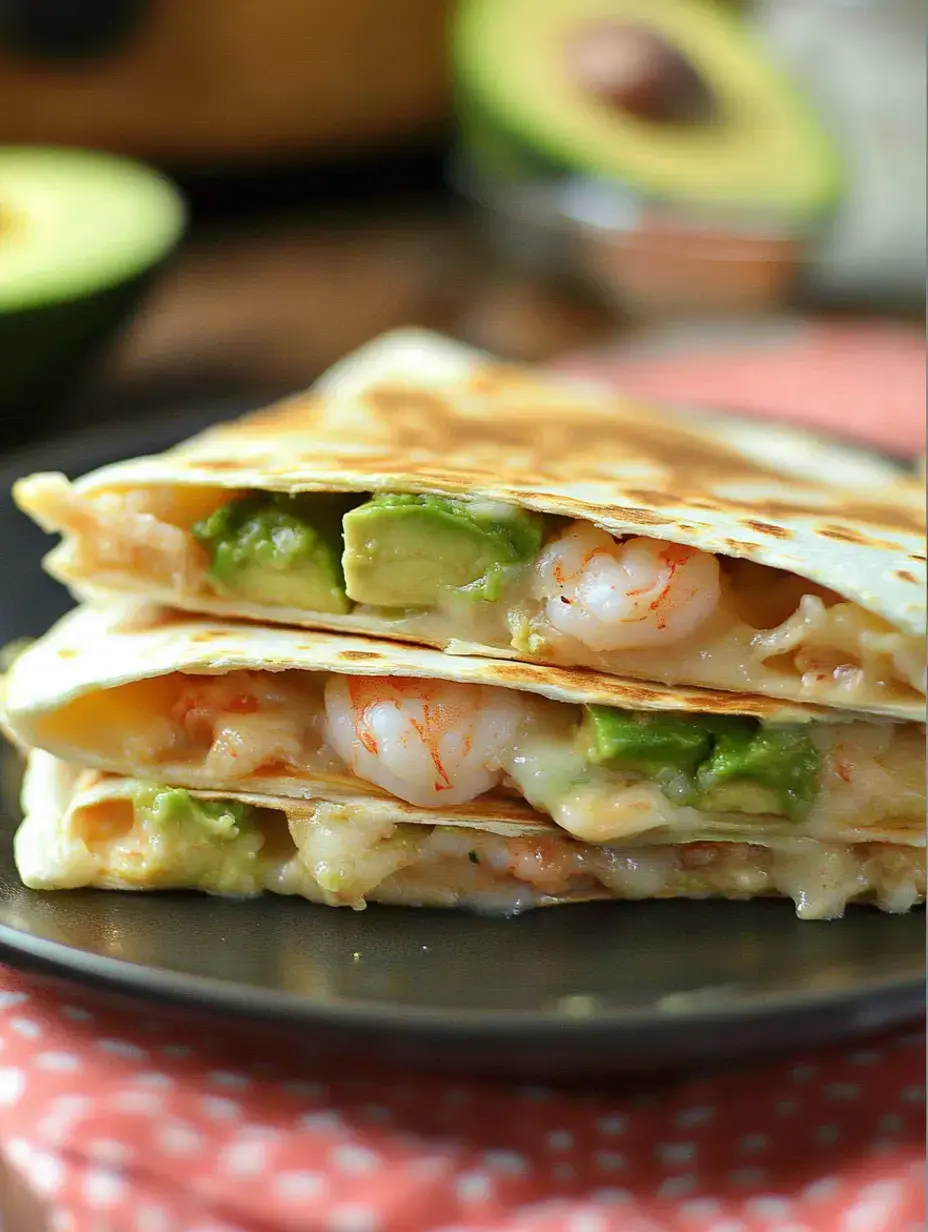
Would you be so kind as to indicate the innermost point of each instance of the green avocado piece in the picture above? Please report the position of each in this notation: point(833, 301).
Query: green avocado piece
point(213, 844)
point(279, 550)
point(405, 550)
point(528, 115)
point(647, 742)
point(81, 233)
point(785, 760)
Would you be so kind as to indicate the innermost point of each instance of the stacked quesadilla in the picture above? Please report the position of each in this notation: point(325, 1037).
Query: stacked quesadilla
point(443, 632)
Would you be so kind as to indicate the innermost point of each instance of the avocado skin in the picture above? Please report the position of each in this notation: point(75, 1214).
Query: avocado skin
point(45, 350)
point(274, 542)
point(388, 561)
point(694, 755)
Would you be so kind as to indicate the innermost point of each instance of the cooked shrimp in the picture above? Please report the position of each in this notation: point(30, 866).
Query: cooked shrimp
point(626, 595)
point(430, 742)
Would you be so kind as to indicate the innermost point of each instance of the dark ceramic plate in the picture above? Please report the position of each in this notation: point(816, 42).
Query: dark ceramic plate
point(577, 992)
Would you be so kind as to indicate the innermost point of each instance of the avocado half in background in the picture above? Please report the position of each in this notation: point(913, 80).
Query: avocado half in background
point(656, 131)
point(81, 232)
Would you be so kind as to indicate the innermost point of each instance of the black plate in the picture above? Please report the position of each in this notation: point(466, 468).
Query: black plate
point(576, 992)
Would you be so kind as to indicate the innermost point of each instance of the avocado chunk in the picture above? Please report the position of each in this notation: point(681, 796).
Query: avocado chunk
point(81, 232)
point(405, 550)
point(784, 760)
point(675, 101)
point(213, 845)
point(278, 550)
point(720, 762)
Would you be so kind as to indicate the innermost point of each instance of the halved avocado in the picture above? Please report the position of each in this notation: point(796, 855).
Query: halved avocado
point(532, 77)
point(80, 232)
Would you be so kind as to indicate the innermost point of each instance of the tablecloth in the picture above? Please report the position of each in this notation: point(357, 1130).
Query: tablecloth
point(122, 1121)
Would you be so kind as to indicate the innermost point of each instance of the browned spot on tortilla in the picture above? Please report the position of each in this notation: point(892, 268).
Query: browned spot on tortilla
point(906, 576)
point(358, 656)
point(767, 528)
point(844, 534)
point(918, 558)
point(220, 464)
point(742, 548)
point(67, 653)
point(211, 635)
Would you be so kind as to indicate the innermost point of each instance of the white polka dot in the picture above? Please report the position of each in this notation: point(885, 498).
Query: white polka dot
point(564, 1172)
point(19, 1152)
point(376, 1112)
point(9, 1000)
point(688, 1118)
point(352, 1219)
point(677, 1186)
point(473, 1187)
point(675, 1152)
point(321, 1122)
point(305, 1090)
point(802, 1073)
point(146, 1103)
point(842, 1090)
point(728, 1225)
point(913, 1095)
point(890, 1123)
point(537, 1095)
point(610, 1196)
point(108, 1151)
point(177, 1051)
point(219, 1108)
point(28, 1028)
point(58, 1062)
point(295, 1186)
point(864, 1056)
point(884, 1191)
point(753, 1144)
point(609, 1161)
point(560, 1140)
point(227, 1078)
point(615, 1123)
point(122, 1048)
point(786, 1107)
point(586, 1221)
point(152, 1219)
point(62, 1221)
point(77, 1013)
point(45, 1172)
point(103, 1188)
point(245, 1158)
point(822, 1190)
point(155, 1080)
point(769, 1206)
point(828, 1134)
point(12, 1085)
point(873, 1215)
point(509, 1162)
point(62, 1114)
point(699, 1208)
point(884, 1147)
point(355, 1159)
point(180, 1139)
point(746, 1176)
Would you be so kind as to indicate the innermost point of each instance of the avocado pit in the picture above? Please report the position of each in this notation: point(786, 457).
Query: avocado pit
point(634, 69)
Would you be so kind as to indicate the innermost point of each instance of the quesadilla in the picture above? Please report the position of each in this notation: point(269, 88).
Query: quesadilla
point(775, 796)
point(428, 494)
point(85, 828)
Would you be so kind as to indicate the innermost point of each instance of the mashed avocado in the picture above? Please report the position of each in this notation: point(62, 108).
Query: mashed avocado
point(405, 550)
point(280, 550)
point(716, 762)
point(213, 844)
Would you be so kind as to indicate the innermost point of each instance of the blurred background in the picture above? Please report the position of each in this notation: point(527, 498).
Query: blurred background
point(706, 200)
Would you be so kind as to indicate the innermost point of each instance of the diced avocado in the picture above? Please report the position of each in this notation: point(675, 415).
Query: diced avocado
point(785, 760)
point(648, 742)
point(279, 550)
point(404, 550)
point(211, 844)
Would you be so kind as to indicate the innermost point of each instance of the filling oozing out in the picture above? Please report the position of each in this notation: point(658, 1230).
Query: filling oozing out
point(602, 774)
point(160, 837)
point(441, 568)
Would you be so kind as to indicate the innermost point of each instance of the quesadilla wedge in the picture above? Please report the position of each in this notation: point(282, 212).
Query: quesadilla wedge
point(425, 493)
point(235, 709)
point(85, 828)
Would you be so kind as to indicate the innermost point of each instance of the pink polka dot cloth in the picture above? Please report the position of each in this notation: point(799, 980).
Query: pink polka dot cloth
point(120, 1120)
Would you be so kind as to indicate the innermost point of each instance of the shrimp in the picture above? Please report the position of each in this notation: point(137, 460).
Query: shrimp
point(627, 595)
point(430, 742)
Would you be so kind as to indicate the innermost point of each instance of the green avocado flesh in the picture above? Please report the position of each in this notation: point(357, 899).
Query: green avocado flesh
point(279, 550)
point(710, 761)
point(215, 843)
point(407, 550)
point(80, 231)
point(524, 110)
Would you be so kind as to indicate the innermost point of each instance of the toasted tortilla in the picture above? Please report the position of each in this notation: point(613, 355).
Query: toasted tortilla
point(82, 828)
point(101, 690)
point(415, 413)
